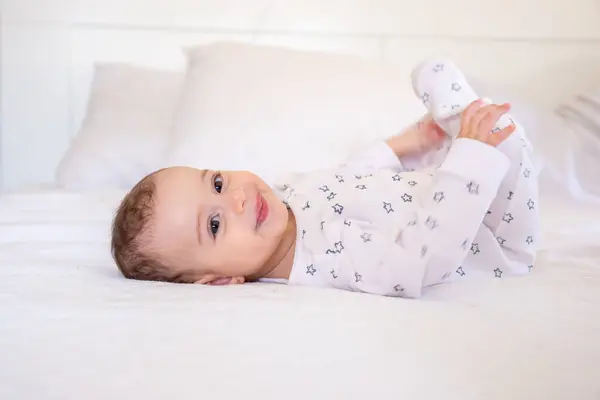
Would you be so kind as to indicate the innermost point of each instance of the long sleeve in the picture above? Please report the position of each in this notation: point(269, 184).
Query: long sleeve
point(380, 156)
point(376, 156)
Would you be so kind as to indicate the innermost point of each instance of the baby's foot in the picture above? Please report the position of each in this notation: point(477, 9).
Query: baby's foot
point(444, 90)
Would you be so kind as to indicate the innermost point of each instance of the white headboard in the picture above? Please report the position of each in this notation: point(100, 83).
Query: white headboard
point(540, 50)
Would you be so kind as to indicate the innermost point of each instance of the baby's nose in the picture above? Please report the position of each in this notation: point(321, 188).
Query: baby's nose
point(238, 198)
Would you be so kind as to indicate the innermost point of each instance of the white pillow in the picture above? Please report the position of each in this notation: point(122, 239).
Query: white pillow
point(126, 128)
point(276, 110)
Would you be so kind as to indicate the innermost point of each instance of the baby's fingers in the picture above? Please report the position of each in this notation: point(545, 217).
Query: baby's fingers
point(496, 138)
point(468, 114)
point(492, 115)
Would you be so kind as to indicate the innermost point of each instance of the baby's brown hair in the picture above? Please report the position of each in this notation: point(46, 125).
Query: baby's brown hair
point(131, 229)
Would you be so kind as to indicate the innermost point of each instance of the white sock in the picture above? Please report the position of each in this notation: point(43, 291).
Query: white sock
point(445, 92)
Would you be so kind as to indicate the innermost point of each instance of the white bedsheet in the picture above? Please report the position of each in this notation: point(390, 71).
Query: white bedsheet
point(71, 328)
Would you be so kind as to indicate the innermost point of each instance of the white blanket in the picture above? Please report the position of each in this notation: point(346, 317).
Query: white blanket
point(72, 328)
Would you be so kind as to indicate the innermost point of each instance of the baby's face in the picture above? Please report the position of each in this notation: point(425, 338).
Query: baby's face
point(217, 224)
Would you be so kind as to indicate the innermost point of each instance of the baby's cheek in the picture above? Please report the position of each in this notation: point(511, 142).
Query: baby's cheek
point(245, 247)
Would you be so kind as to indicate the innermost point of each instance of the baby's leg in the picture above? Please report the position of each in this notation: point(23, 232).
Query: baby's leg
point(506, 241)
point(511, 227)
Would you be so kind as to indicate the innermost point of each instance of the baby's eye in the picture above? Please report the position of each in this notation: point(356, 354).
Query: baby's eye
point(218, 182)
point(214, 225)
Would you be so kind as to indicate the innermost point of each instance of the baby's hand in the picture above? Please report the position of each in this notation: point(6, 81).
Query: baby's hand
point(425, 135)
point(430, 134)
point(477, 122)
point(419, 138)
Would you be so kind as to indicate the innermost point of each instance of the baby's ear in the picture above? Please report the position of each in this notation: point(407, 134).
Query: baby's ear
point(220, 281)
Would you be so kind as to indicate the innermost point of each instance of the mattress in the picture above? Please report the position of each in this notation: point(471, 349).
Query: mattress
point(72, 328)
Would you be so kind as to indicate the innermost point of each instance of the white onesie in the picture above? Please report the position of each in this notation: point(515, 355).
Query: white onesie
point(374, 226)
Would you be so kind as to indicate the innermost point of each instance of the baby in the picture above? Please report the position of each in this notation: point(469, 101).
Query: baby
point(452, 197)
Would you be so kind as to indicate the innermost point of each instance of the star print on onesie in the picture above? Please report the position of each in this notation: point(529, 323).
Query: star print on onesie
point(392, 231)
point(381, 238)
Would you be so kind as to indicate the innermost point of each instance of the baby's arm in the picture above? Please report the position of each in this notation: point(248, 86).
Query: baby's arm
point(414, 147)
point(377, 156)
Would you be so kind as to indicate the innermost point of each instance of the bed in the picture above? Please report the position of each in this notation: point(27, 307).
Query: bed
point(71, 327)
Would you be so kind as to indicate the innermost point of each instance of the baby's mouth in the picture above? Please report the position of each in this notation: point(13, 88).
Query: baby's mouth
point(262, 210)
